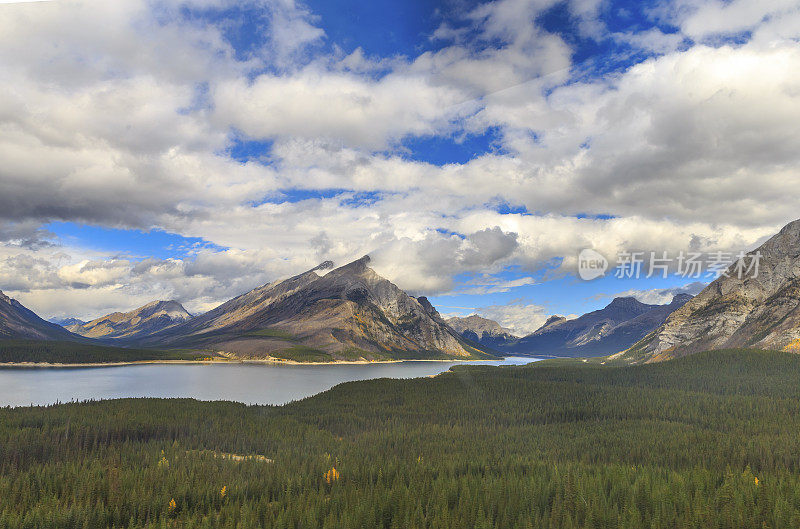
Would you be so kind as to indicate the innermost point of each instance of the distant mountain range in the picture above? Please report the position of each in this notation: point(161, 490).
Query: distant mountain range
point(619, 325)
point(481, 330)
point(144, 321)
point(344, 314)
point(352, 313)
point(613, 328)
point(760, 312)
point(608, 330)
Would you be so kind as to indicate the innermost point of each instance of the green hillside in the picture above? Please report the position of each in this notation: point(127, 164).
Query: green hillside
point(704, 441)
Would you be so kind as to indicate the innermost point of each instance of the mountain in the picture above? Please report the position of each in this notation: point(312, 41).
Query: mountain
point(18, 322)
point(66, 322)
point(481, 330)
point(620, 324)
point(146, 320)
point(347, 313)
point(552, 320)
point(760, 311)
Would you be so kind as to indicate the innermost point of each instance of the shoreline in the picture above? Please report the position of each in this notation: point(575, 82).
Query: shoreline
point(270, 361)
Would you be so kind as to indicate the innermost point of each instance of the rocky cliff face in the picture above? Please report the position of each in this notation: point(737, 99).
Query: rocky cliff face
point(481, 330)
point(144, 321)
point(350, 312)
point(18, 322)
point(609, 330)
point(759, 312)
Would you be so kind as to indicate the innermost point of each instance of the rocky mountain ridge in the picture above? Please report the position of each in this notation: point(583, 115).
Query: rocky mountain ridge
point(613, 328)
point(20, 323)
point(144, 321)
point(756, 310)
point(481, 330)
point(347, 313)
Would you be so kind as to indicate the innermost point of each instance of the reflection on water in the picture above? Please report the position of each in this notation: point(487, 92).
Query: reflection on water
point(248, 383)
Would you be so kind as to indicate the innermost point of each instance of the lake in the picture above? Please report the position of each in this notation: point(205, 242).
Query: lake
point(248, 383)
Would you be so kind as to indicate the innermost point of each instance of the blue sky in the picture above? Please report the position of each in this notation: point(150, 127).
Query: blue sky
point(382, 28)
point(585, 296)
point(136, 244)
point(472, 148)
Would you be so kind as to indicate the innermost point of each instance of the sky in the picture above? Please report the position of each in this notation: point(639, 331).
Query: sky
point(194, 150)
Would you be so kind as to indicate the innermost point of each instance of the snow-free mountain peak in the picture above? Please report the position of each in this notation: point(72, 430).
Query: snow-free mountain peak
point(145, 320)
point(481, 330)
point(350, 312)
point(605, 331)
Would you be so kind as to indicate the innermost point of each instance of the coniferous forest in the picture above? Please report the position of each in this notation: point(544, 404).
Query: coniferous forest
point(16, 351)
point(711, 440)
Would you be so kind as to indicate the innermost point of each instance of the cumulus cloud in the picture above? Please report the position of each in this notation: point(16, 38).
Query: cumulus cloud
point(427, 266)
point(519, 317)
point(702, 19)
point(100, 121)
point(341, 108)
point(678, 136)
point(119, 115)
point(25, 234)
point(62, 281)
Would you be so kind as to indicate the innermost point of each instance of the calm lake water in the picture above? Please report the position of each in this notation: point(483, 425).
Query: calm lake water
point(248, 383)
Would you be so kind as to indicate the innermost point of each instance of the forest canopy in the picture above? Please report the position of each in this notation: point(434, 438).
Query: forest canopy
point(704, 441)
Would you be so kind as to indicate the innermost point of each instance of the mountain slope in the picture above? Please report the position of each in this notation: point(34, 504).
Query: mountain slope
point(143, 321)
point(608, 330)
point(481, 330)
point(18, 322)
point(760, 312)
point(348, 313)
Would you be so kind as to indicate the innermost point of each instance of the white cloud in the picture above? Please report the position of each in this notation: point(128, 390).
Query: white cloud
point(678, 137)
point(662, 296)
point(519, 317)
point(487, 284)
point(652, 40)
point(115, 116)
point(69, 281)
point(703, 18)
point(98, 273)
point(337, 107)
